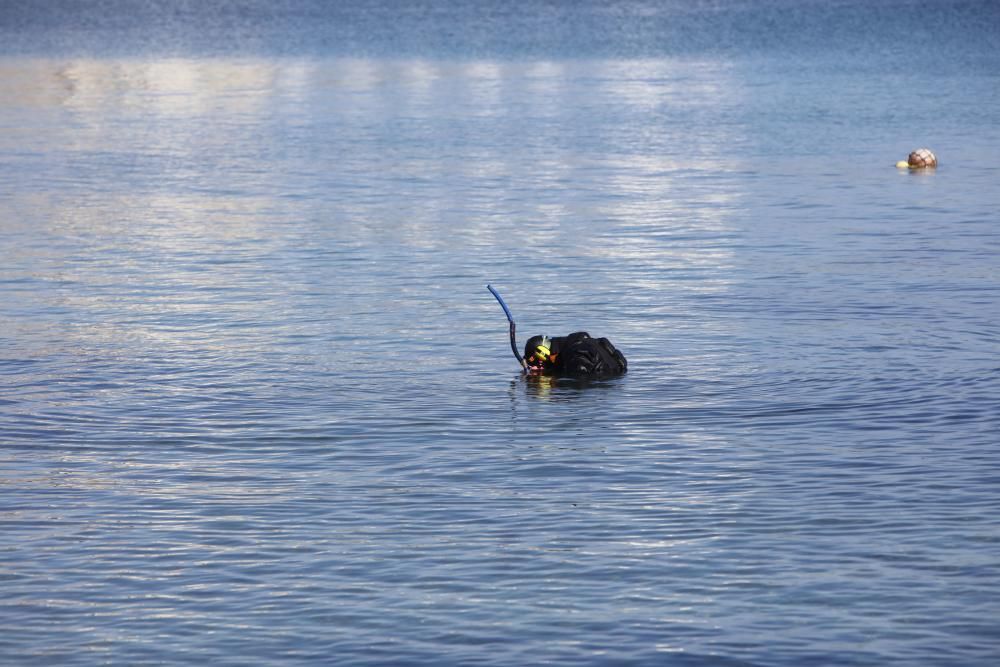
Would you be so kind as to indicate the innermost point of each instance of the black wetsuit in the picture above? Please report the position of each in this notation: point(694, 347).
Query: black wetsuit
point(578, 355)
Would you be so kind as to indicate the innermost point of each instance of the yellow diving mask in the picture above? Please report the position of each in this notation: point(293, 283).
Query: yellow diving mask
point(543, 350)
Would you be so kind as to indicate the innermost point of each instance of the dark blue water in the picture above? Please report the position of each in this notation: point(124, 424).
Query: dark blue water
point(258, 407)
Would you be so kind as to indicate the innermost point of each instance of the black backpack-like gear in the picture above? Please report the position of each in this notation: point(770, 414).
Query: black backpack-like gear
point(582, 355)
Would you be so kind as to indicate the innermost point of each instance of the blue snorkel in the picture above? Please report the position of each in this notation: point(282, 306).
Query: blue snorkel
point(513, 327)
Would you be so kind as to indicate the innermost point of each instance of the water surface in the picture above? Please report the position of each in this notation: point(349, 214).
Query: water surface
point(256, 404)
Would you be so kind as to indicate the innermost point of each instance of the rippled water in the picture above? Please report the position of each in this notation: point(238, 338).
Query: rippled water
point(258, 407)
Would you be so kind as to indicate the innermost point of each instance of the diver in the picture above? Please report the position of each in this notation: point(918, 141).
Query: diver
point(576, 355)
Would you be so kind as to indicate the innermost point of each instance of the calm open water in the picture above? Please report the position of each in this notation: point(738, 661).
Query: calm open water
point(258, 407)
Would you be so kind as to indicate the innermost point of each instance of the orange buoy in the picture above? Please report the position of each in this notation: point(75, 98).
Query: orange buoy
point(921, 158)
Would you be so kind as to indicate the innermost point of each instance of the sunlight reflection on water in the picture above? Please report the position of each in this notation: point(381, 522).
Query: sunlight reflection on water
point(254, 381)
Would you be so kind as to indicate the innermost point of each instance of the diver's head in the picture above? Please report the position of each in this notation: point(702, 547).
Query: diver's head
point(538, 352)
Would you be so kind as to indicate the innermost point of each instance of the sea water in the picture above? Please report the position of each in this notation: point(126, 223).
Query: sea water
point(258, 407)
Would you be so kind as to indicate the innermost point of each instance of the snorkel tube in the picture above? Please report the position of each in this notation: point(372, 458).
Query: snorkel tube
point(513, 327)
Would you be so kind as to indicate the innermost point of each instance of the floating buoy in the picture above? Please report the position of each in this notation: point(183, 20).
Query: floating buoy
point(922, 158)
